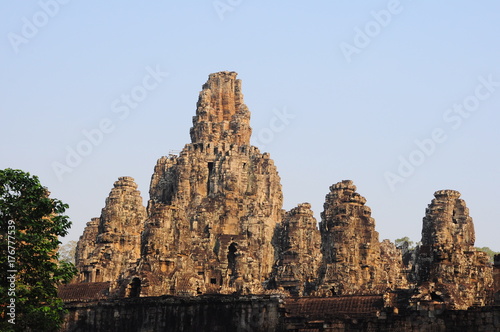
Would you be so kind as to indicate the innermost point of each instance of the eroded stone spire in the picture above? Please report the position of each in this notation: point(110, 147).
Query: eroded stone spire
point(354, 261)
point(85, 246)
point(448, 267)
point(221, 115)
point(299, 255)
point(111, 244)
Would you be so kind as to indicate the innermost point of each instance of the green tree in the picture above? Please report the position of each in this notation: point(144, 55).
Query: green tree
point(31, 223)
point(490, 252)
point(405, 242)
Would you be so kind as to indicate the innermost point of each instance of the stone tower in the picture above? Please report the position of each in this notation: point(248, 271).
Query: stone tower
point(110, 245)
point(299, 255)
point(448, 267)
point(84, 250)
point(213, 209)
point(354, 262)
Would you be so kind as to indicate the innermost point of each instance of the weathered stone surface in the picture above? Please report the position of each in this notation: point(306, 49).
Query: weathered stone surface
point(448, 268)
point(496, 279)
point(269, 313)
point(84, 248)
point(299, 254)
point(214, 224)
point(110, 245)
point(214, 208)
point(392, 269)
point(224, 313)
point(221, 115)
point(354, 262)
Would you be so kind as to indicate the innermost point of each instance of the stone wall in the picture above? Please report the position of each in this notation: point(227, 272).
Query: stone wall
point(496, 279)
point(188, 314)
point(268, 313)
point(485, 319)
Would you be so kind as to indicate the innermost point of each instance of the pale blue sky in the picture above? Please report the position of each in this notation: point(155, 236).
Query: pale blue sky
point(65, 65)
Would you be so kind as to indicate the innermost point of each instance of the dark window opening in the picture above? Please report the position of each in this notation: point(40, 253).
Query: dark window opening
point(97, 275)
point(231, 258)
point(293, 290)
point(135, 288)
point(168, 193)
point(210, 173)
point(213, 281)
point(436, 297)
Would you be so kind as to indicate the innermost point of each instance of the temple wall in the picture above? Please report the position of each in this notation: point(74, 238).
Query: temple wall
point(260, 313)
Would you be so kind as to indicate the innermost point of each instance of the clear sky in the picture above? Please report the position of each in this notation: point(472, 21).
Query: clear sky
point(402, 97)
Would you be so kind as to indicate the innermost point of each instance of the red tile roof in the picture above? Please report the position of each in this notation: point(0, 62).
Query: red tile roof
point(86, 291)
point(322, 307)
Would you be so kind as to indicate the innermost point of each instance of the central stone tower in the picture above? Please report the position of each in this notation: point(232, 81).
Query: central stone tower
point(213, 209)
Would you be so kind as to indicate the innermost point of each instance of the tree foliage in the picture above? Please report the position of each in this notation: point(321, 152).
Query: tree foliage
point(405, 242)
point(488, 251)
point(31, 223)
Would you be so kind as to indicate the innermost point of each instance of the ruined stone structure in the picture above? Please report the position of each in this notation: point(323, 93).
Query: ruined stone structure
point(496, 279)
point(214, 225)
point(448, 268)
point(299, 257)
point(84, 250)
point(214, 208)
point(110, 245)
point(269, 313)
point(354, 260)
